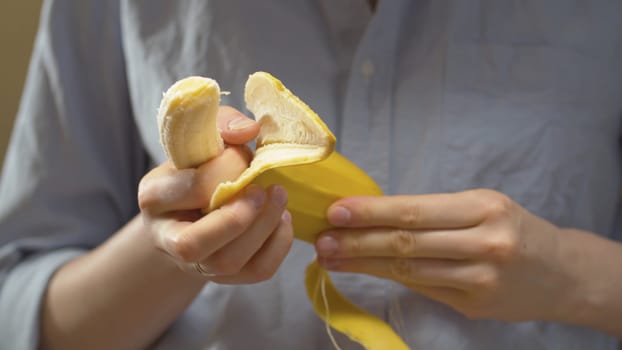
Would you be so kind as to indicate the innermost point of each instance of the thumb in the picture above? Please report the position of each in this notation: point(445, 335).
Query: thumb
point(235, 127)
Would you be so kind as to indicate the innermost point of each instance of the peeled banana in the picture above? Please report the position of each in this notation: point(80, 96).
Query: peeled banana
point(187, 122)
point(295, 149)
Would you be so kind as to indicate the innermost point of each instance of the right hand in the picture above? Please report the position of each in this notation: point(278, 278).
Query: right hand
point(245, 240)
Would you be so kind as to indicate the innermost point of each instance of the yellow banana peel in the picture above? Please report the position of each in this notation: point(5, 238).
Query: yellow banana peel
point(314, 187)
point(295, 149)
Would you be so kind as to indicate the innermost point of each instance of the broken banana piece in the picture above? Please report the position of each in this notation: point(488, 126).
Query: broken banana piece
point(187, 122)
point(295, 149)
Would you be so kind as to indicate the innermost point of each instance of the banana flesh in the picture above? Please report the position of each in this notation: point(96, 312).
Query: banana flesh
point(295, 149)
point(290, 133)
point(187, 122)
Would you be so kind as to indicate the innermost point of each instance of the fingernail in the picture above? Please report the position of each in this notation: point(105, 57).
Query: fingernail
point(256, 194)
point(329, 264)
point(327, 246)
point(286, 217)
point(279, 195)
point(240, 123)
point(339, 216)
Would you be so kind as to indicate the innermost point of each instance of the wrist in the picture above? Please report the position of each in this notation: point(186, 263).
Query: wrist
point(149, 291)
point(593, 296)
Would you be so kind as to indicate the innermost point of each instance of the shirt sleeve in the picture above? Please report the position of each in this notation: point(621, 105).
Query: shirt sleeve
point(74, 160)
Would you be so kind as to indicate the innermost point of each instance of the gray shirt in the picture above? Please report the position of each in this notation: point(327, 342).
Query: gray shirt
point(524, 97)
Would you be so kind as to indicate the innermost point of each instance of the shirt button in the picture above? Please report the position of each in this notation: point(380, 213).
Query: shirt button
point(367, 69)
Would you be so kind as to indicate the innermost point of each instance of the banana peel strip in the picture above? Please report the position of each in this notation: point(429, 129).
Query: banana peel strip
point(345, 317)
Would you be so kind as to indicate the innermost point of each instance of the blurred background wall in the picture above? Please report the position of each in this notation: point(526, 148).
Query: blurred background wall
point(18, 25)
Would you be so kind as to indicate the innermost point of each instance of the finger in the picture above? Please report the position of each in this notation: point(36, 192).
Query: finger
point(390, 242)
point(445, 295)
point(231, 258)
point(163, 186)
point(423, 272)
point(265, 263)
point(164, 227)
point(435, 211)
point(166, 189)
point(205, 236)
point(235, 127)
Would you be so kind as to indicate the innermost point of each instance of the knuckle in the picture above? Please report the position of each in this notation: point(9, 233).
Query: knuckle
point(362, 212)
point(403, 269)
point(185, 249)
point(410, 214)
point(497, 205)
point(144, 202)
point(233, 220)
point(503, 247)
point(146, 197)
point(352, 245)
point(403, 243)
point(168, 189)
point(485, 282)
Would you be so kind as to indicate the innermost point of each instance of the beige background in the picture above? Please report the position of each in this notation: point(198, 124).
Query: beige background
point(18, 25)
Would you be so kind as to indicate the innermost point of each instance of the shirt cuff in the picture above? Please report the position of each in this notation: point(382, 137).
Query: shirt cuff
point(21, 295)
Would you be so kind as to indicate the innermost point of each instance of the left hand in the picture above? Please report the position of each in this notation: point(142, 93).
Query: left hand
point(477, 251)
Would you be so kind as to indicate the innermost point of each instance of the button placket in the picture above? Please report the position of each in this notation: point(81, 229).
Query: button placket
point(368, 111)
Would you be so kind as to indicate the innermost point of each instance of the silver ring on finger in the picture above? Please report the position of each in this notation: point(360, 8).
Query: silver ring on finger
point(202, 270)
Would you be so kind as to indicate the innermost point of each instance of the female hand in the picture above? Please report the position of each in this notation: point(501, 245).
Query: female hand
point(477, 251)
point(245, 240)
